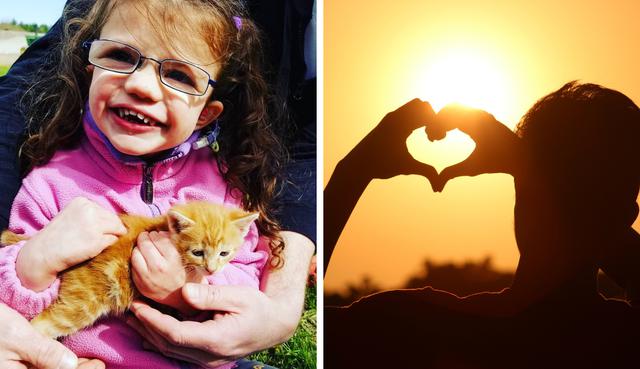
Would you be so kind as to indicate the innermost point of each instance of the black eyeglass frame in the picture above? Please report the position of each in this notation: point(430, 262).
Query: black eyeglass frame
point(141, 58)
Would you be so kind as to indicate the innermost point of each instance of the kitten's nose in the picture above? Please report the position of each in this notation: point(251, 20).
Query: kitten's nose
point(211, 269)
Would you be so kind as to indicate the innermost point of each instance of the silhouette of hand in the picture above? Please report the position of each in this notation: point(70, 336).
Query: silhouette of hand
point(383, 152)
point(497, 147)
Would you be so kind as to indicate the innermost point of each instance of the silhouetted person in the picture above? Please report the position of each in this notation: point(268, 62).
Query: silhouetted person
point(575, 159)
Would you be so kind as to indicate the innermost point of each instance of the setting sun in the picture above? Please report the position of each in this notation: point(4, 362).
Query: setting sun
point(462, 75)
point(466, 76)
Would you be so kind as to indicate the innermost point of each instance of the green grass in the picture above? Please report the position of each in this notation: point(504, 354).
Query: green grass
point(10, 27)
point(300, 351)
point(3, 69)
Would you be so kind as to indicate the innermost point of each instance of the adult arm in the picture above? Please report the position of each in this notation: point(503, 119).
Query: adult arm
point(249, 320)
point(381, 154)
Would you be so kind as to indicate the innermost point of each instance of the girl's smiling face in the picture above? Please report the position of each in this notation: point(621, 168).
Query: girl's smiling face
point(176, 114)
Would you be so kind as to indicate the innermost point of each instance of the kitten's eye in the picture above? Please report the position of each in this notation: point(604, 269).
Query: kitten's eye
point(224, 253)
point(198, 253)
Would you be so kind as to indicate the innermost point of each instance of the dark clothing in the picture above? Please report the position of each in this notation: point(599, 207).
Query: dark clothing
point(284, 22)
point(427, 328)
point(298, 198)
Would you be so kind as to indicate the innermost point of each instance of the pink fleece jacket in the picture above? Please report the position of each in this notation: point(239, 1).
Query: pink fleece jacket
point(96, 171)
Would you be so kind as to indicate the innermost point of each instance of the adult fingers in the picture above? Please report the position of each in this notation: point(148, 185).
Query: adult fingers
point(425, 170)
point(195, 356)
point(416, 113)
point(14, 365)
point(152, 340)
point(435, 132)
point(136, 325)
point(45, 353)
point(158, 344)
point(448, 118)
point(221, 298)
point(464, 168)
point(186, 333)
point(468, 120)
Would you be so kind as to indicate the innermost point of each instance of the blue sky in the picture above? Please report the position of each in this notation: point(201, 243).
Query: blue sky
point(31, 11)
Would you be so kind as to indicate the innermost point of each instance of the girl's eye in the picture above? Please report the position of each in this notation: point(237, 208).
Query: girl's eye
point(121, 56)
point(180, 77)
point(198, 253)
point(224, 253)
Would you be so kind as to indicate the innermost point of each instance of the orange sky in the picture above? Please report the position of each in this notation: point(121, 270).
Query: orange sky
point(378, 55)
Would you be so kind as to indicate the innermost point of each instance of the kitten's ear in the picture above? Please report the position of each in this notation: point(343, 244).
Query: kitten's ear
point(178, 221)
point(244, 222)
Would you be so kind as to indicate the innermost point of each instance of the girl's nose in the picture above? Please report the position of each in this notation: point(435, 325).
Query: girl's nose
point(145, 83)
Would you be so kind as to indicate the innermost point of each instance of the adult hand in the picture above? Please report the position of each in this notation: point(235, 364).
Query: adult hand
point(157, 270)
point(247, 321)
point(383, 152)
point(78, 233)
point(498, 149)
point(22, 347)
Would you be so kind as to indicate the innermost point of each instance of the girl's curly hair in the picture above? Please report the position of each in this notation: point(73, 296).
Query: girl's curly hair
point(250, 156)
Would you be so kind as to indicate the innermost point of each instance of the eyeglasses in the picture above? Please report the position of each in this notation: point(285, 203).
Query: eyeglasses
point(118, 57)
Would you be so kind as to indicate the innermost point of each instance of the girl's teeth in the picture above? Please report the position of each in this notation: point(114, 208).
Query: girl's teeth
point(126, 112)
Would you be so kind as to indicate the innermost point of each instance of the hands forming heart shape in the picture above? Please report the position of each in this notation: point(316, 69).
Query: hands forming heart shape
point(383, 152)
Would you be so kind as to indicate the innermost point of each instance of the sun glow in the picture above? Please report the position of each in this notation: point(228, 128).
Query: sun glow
point(465, 76)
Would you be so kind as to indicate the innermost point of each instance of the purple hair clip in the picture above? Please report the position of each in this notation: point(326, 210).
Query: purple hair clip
point(238, 22)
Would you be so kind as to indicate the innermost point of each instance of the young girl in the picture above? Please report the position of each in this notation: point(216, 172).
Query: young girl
point(154, 102)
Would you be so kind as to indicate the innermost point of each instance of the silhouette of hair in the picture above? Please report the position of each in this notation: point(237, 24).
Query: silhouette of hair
point(584, 123)
point(585, 142)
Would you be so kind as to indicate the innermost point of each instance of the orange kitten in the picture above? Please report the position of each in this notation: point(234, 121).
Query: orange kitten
point(206, 235)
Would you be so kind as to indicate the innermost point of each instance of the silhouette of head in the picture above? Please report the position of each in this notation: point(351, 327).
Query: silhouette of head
point(584, 145)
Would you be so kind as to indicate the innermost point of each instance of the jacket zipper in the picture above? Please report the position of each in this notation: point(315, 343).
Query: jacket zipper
point(147, 184)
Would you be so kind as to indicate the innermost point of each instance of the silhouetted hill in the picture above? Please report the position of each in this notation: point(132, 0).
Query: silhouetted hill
point(462, 279)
